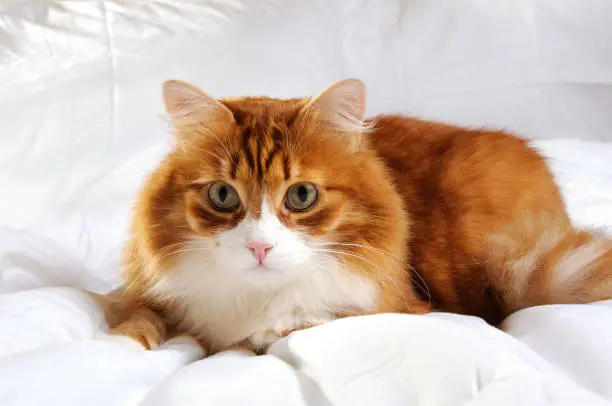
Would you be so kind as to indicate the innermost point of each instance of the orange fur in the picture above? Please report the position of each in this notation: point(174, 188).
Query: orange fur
point(432, 216)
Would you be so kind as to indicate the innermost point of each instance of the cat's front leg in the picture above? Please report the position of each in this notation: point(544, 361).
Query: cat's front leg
point(305, 326)
point(284, 326)
point(142, 325)
point(319, 321)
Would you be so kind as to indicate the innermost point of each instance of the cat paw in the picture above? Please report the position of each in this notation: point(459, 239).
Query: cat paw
point(268, 337)
point(239, 349)
point(122, 340)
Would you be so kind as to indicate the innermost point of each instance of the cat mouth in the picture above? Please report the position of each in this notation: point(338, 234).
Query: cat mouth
point(264, 276)
point(261, 268)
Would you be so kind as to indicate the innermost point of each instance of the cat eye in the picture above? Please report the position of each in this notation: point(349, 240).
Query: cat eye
point(223, 197)
point(301, 196)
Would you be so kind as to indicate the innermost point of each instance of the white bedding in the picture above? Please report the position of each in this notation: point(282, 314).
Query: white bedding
point(51, 352)
point(80, 117)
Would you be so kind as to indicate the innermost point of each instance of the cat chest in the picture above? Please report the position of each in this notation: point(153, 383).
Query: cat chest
point(222, 319)
point(222, 310)
point(257, 322)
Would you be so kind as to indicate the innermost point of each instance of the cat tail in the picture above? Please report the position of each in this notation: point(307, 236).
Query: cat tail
point(547, 261)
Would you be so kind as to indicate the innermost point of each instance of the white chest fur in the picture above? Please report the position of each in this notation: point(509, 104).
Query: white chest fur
point(224, 310)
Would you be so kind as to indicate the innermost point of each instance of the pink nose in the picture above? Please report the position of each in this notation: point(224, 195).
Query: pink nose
point(259, 250)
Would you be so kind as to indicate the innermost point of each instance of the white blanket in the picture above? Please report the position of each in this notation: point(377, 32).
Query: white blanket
point(50, 353)
point(79, 99)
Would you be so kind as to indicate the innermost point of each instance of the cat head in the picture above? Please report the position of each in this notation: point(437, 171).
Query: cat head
point(262, 191)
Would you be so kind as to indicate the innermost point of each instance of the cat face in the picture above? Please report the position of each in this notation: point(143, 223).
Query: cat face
point(264, 192)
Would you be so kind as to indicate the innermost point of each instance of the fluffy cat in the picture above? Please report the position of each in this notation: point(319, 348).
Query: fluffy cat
point(274, 215)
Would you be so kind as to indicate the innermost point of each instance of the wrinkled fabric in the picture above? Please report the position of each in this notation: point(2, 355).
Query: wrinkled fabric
point(52, 340)
point(82, 124)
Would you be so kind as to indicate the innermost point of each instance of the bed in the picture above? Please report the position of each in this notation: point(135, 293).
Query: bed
point(83, 124)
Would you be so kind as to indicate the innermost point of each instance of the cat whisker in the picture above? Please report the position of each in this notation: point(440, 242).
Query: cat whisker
point(346, 262)
point(218, 166)
point(389, 255)
point(177, 251)
point(223, 144)
point(323, 266)
point(387, 278)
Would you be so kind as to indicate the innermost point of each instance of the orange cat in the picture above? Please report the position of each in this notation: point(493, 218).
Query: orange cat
point(276, 215)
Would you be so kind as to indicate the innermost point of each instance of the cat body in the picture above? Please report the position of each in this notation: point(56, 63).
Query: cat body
point(276, 215)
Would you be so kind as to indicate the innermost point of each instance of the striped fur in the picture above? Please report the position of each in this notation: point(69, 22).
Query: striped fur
point(411, 216)
point(540, 260)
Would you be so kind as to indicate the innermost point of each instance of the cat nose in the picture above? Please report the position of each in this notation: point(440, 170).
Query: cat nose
point(259, 250)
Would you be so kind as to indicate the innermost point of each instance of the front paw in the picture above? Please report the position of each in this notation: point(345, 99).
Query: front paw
point(122, 340)
point(263, 339)
point(286, 333)
point(148, 338)
point(268, 337)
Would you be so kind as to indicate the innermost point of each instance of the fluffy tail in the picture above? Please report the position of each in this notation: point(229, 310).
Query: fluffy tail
point(544, 261)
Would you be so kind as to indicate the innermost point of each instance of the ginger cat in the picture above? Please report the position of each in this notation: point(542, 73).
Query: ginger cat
point(275, 215)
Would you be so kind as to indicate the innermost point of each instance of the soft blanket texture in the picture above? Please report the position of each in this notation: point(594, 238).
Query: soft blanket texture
point(80, 109)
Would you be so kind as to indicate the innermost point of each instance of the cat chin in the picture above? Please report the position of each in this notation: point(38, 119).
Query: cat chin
point(272, 274)
point(259, 278)
point(197, 272)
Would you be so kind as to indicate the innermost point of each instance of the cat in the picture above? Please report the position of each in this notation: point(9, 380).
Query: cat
point(271, 216)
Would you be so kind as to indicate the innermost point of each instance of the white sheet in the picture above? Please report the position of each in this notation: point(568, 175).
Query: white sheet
point(50, 356)
point(81, 125)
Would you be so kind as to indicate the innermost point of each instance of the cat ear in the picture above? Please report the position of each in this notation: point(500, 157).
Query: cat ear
point(189, 108)
point(343, 105)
